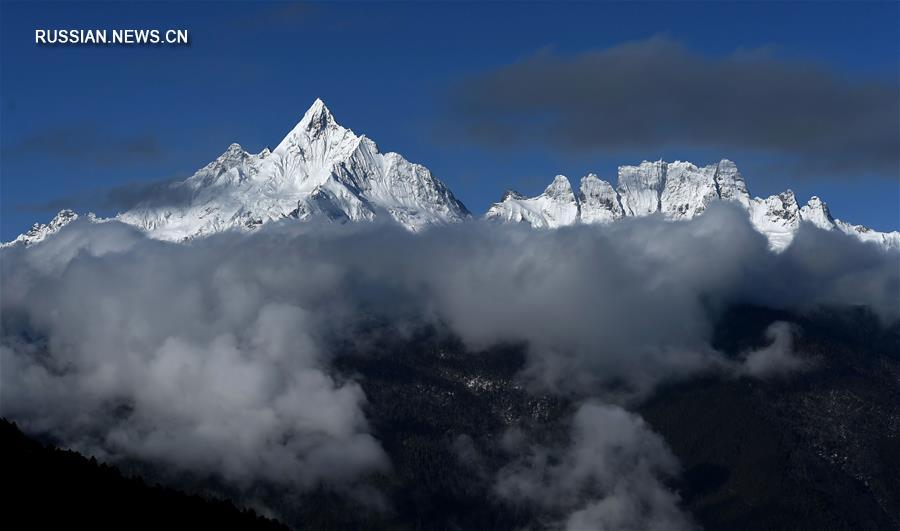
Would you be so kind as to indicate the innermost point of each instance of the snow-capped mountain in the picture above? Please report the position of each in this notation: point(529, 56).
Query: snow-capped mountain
point(556, 207)
point(41, 231)
point(319, 168)
point(679, 190)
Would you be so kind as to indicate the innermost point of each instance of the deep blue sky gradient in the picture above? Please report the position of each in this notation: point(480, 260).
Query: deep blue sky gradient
point(384, 69)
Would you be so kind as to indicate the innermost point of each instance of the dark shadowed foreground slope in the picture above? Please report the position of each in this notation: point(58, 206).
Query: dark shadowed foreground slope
point(48, 488)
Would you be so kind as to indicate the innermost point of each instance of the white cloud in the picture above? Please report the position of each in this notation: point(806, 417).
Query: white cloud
point(778, 357)
point(610, 476)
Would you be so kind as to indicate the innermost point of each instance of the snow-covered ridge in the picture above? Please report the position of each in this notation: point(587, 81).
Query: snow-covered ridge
point(323, 169)
point(679, 190)
point(40, 231)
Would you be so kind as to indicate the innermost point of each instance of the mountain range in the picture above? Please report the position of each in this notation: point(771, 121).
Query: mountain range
point(679, 191)
point(322, 169)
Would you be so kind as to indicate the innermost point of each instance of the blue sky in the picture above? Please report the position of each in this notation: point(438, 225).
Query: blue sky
point(77, 120)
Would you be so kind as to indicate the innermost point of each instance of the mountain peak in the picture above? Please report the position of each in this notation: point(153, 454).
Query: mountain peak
point(318, 106)
point(788, 197)
point(317, 117)
point(511, 194)
point(230, 158)
point(560, 187)
point(317, 125)
point(590, 178)
point(317, 139)
point(816, 212)
point(234, 152)
point(556, 207)
point(599, 201)
point(40, 231)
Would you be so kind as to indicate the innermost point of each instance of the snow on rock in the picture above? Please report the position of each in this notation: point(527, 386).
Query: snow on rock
point(730, 183)
point(680, 191)
point(640, 187)
point(556, 207)
point(688, 190)
point(777, 216)
point(816, 212)
point(40, 231)
point(887, 240)
point(599, 201)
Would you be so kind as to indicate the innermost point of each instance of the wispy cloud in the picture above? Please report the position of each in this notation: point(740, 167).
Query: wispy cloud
point(778, 357)
point(88, 144)
point(159, 193)
point(610, 476)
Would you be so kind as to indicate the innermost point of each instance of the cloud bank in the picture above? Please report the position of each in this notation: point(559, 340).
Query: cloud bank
point(655, 93)
point(124, 347)
point(215, 356)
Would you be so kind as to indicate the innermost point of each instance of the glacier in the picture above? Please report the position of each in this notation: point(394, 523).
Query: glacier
point(322, 169)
